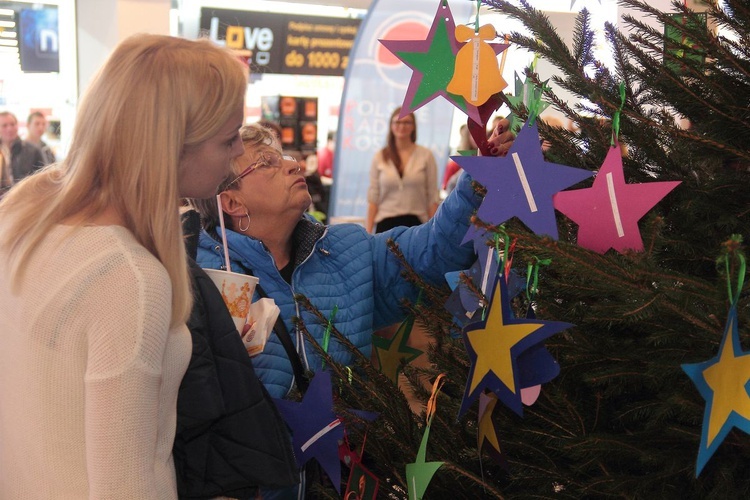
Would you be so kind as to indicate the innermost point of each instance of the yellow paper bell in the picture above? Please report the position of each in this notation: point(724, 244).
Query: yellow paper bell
point(476, 76)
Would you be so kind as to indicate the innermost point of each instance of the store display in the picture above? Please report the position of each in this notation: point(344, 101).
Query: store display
point(298, 119)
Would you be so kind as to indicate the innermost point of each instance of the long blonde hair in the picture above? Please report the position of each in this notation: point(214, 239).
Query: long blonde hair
point(155, 96)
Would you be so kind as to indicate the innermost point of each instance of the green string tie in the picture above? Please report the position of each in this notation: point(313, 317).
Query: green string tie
point(733, 248)
point(327, 332)
point(506, 240)
point(476, 22)
point(532, 274)
point(616, 116)
point(535, 102)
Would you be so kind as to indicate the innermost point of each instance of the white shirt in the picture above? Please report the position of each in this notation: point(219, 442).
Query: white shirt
point(89, 370)
point(414, 193)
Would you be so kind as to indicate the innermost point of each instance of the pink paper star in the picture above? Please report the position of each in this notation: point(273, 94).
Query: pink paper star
point(608, 212)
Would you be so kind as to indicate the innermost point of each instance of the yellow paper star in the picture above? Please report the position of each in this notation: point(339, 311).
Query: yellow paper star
point(722, 381)
point(487, 427)
point(727, 379)
point(493, 344)
point(391, 351)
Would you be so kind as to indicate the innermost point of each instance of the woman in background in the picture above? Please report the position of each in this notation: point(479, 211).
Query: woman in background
point(403, 179)
point(452, 169)
point(94, 285)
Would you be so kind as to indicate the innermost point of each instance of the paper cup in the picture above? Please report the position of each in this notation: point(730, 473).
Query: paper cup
point(237, 291)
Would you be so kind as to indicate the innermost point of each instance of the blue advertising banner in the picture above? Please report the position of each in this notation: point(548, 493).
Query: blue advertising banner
point(375, 84)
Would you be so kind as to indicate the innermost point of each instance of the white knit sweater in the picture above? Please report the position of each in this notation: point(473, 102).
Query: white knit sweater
point(89, 371)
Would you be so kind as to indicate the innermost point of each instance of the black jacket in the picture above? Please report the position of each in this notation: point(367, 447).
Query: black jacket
point(230, 437)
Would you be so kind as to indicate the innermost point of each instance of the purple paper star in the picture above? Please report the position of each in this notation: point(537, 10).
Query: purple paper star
point(316, 429)
point(608, 212)
point(520, 184)
point(432, 61)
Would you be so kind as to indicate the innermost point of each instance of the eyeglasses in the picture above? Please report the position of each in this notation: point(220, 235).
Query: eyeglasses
point(266, 161)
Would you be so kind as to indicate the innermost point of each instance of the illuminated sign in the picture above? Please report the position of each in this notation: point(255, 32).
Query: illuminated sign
point(281, 43)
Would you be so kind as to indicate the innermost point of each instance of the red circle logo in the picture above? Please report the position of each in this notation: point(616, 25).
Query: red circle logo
point(406, 30)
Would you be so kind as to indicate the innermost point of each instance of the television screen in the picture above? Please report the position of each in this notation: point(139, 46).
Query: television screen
point(38, 40)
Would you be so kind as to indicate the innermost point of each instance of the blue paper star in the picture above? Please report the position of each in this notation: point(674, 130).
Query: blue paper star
point(316, 430)
point(494, 346)
point(536, 365)
point(724, 383)
point(520, 184)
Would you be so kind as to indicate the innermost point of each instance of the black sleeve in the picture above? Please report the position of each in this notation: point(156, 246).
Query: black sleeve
point(230, 437)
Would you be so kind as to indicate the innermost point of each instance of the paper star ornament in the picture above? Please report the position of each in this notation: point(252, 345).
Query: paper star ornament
point(536, 366)
point(494, 346)
point(520, 184)
point(528, 94)
point(433, 61)
point(608, 212)
point(723, 382)
point(316, 430)
point(391, 351)
point(487, 431)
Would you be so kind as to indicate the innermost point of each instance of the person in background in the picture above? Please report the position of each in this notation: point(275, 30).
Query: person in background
point(403, 179)
point(94, 283)
point(36, 124)
point(23, 157)
point(496, 120)
point(6, 178)
point(325, 157)
point(452, 169)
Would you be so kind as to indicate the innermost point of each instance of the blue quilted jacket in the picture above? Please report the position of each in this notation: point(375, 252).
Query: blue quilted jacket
point(342, 265)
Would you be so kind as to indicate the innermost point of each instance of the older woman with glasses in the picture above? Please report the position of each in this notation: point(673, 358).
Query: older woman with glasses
point(336, 267)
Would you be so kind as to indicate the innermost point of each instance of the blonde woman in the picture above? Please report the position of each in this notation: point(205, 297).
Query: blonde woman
point(94, 287)
point(403, 179)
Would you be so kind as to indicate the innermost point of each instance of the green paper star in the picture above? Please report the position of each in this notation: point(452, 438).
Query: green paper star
point(525, 93)
point(436, 65)
point(390, 352)
point(419, 474)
